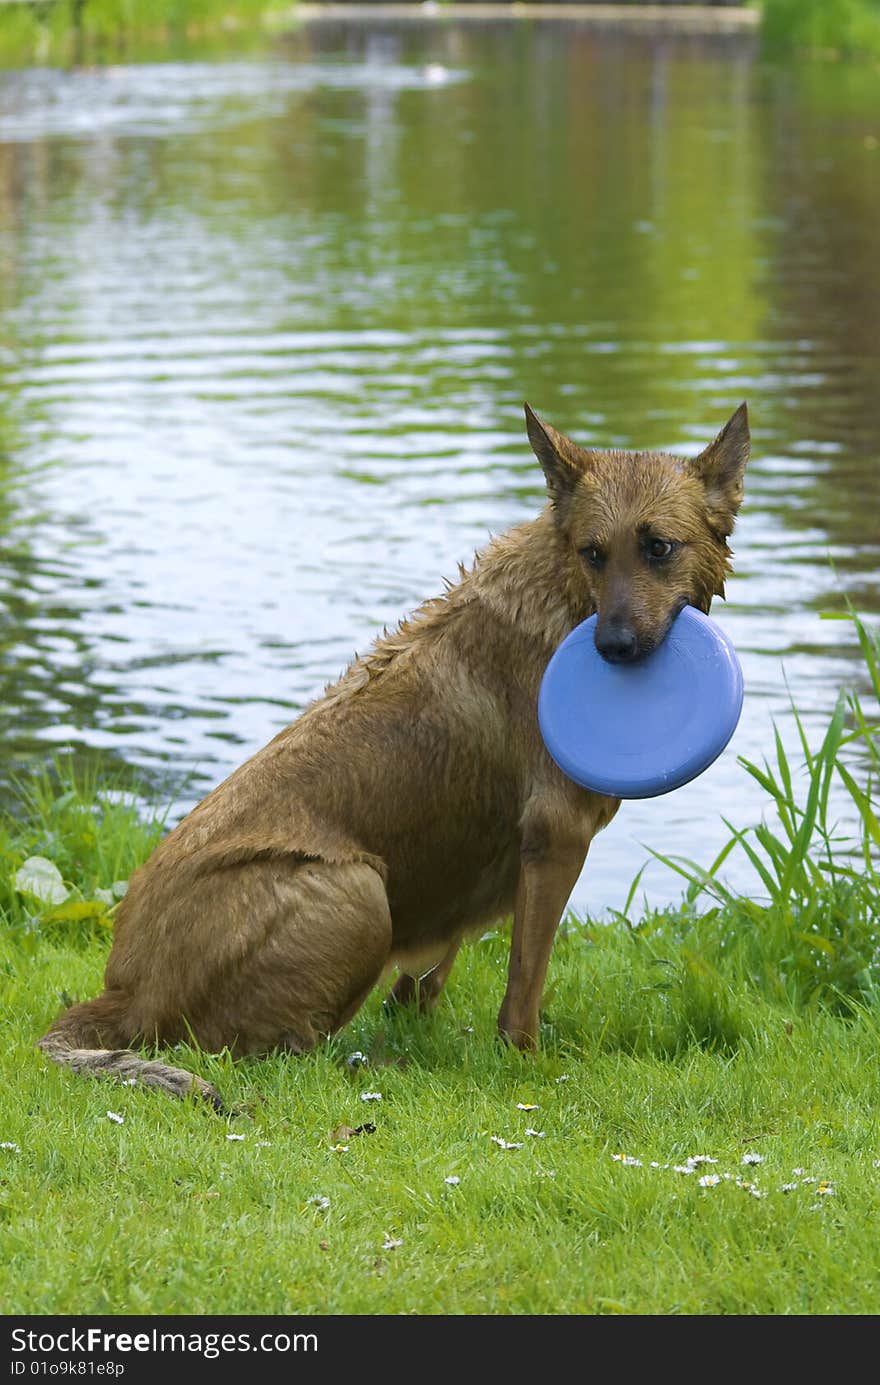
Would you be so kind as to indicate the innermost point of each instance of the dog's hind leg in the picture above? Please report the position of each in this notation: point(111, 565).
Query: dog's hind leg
point(317, 940)
point(422, 991)
point(325, 942)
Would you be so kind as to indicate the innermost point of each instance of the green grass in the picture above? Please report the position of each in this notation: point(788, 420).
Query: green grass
point(723, 1027)
point(827, 26)
point(101, 30)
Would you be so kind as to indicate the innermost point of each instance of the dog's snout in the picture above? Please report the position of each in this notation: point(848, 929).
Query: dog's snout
point(617, 642)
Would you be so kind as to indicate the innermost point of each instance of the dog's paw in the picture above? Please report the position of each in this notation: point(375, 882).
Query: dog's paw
point(513, 1037)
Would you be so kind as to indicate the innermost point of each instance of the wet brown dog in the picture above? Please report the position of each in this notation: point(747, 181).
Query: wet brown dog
point(414, 801)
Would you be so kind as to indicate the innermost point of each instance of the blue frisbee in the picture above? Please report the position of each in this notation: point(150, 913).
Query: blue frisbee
point(642, 729)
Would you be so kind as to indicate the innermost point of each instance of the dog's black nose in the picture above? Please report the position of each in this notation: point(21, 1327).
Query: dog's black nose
point(617, 643)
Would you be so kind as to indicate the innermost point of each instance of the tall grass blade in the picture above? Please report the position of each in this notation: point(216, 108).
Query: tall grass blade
point(771, 885)
point(863, 803)
point(697, 876)
point(785, 776)
point(830, 750)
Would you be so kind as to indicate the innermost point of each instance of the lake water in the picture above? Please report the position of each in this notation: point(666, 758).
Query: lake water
point(269, 315)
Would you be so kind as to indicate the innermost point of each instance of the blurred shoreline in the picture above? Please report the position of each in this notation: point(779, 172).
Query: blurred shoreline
point(696, 18)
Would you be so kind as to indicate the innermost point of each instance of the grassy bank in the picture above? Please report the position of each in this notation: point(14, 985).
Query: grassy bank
point(699, 1133)
point(822, 26)
point(75, 31)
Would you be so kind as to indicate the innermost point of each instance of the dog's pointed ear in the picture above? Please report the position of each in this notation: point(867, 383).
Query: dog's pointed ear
point(720, 467)
point(555, 453)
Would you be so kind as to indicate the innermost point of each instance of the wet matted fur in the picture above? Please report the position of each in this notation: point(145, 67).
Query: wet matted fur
point(414, 801)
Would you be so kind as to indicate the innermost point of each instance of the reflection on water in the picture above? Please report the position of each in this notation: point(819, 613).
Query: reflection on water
point(267, 327)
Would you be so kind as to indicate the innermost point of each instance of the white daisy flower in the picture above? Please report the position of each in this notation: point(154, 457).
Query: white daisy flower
point(682, 1168)
point(505, 1144)
point(788, 1187)
point(753, 1158)
point(696, 1159)
point(390, 1244)
point(8, 1144)
point(526, 1106)
point(563, 1077)
point(371, 1096)
point(538, 1134)
point(115, 1117)
point(709, 1180)
point(318, 1200)
point(453, 1180)
point(825, 1190)
point(233, 1136)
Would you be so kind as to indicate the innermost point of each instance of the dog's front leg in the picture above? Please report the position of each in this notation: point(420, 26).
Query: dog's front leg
point(548, 871)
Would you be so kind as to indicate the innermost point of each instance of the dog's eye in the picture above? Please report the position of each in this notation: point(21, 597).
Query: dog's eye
point(659, 548)
point(592, 556)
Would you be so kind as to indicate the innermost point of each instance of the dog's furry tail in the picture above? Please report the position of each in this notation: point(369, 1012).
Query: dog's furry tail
point(77, 1040)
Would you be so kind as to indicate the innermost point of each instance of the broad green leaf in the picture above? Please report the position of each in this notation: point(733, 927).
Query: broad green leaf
point(77, 909)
